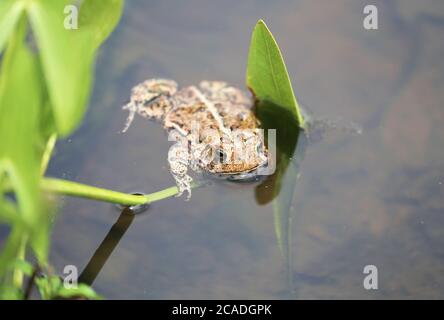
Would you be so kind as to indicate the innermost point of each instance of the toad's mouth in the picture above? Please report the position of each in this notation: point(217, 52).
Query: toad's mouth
point(233, 169)
point(246, 176)
point(225, 165)
point(236, 171)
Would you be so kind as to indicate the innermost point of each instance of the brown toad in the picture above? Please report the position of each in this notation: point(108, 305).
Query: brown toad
point(212, 124)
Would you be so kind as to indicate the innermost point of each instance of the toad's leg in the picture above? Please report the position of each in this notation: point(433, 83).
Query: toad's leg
point(178, 159)
point(154, 109)
point(150, 99)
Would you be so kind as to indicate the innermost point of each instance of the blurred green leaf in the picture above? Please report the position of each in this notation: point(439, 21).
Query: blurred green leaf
point(67, 60)
point(267, 75)
point(52, 287)
point(82, 291)
point(18, 123)
point(8, 212)
point(41, 94)
point(47, 286)
point(23, 266)
point(101, 17)
point(9, 254)
point(10, 11)
point(19, 160)
point(10, 293)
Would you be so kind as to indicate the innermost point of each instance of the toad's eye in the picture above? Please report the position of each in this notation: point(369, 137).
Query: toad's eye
point(242, 116)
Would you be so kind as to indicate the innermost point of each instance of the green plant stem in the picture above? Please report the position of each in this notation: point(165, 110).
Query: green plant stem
point(76, 189)
point(17, 277)
point(50, 144)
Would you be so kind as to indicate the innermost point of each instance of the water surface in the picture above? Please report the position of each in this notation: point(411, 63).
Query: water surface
point(369, 199)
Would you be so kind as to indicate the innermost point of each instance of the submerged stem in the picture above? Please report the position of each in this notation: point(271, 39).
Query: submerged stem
point(76, 189)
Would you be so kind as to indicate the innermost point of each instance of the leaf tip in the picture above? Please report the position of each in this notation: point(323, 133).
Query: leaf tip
point(261, 23)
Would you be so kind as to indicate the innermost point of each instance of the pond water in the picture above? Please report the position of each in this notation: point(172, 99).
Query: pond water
point(371, 199)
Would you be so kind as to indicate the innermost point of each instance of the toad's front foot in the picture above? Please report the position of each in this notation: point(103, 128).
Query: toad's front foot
point(178, 161)
point(184, 184)
point(132, 108)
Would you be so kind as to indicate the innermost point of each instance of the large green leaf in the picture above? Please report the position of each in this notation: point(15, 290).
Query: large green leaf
point(19, 159)
point(101, 17)
point(10, 11)
point(18, 123)
point(67, 59)
point(267, 75)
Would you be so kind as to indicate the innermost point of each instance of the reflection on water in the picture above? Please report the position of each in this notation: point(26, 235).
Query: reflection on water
point(107, 246)
point(369, 199)
point(280, 186)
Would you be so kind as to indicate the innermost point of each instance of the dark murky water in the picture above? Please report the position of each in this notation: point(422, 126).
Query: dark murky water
point(369, 199)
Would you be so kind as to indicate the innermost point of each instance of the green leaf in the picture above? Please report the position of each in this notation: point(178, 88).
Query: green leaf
point(9, 255)
point(277, 108)
point(267, 75)
point(8, 213)
point(40, 95)
point(52, 287)
point(82, 291)
point(19, 133)
point(10, 293)
point(47, 286)
point(23, 266)
point(18, 123)
point(10, 11)
point(67, 59)
point(101, 17)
